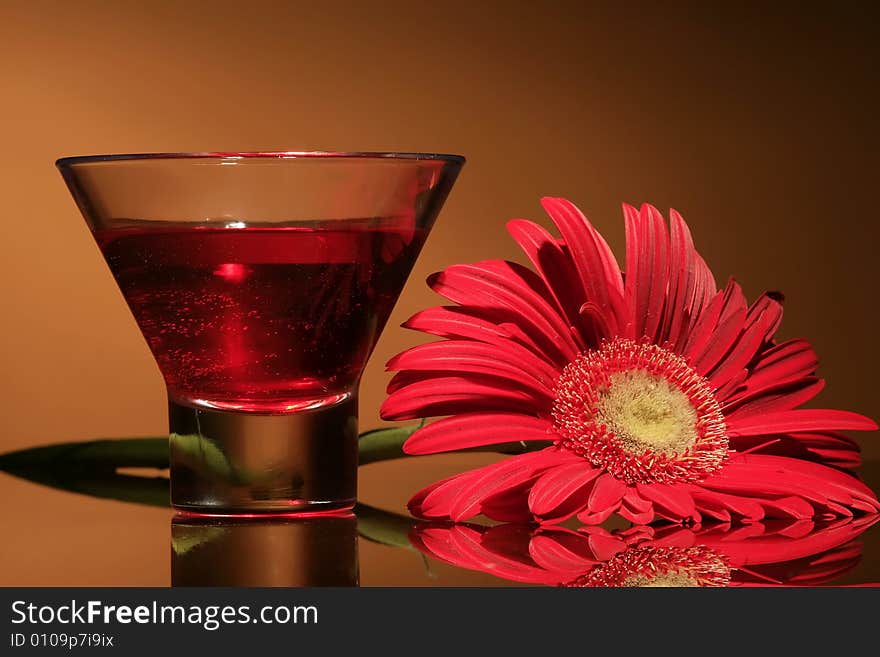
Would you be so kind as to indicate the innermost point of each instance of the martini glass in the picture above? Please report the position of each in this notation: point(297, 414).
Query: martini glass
point(261, 283)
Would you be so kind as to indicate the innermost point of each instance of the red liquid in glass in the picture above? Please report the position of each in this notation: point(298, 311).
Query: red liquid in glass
point(262, 319)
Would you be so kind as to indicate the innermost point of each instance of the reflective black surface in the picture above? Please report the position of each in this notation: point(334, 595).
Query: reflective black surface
point(61, 537)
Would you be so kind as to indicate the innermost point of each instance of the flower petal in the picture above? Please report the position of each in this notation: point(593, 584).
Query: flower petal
point(457, 322)
point(471, 323)
point(761, 476)
point(436, 541)
point(772, 399)
point(705, 291)
point(606, 492)
point(627, 512)
point(802, 419)
point(789, 507)
point(718, 504)
point(724, 336)
point(511, 362)
point(670, 502)
point(605, 546)
point(594, 261)
point(552, 492)
point(703, 325)
point(776, 548)
point(786, 362)
point(446, 395)
point(478, 429)
point(494, 479)
point(647, 244)
point(554, 266)
point(510, 504)
point(589, 518)
point(517, 294)
point(760, 322)
point(682, 281)
point(461, 546)
point(493, 563)
point(564, 552)
point(831, 448)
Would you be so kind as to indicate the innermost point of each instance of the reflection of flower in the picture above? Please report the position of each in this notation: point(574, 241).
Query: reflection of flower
point(662, 395)
point(659, 566)
point(773, 553)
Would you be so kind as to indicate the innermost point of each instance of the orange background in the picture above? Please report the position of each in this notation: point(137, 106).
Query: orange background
point(759, 125)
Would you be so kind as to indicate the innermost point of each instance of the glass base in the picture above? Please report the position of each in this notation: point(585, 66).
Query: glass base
point(238, 464)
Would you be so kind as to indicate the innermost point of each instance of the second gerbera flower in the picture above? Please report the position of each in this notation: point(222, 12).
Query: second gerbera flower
point(658, 394)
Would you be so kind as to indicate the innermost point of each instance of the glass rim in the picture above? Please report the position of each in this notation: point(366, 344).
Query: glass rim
point(65, 162)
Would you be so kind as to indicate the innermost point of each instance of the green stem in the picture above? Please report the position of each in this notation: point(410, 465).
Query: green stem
point(91, 468)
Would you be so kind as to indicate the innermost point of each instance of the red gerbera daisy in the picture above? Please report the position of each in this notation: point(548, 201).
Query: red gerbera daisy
point(778, 553)
point(659, 394)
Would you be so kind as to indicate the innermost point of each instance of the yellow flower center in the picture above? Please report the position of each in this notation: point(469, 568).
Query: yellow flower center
point(640, 412)
point(659, 566)
point(662, 580)
point(646, 412)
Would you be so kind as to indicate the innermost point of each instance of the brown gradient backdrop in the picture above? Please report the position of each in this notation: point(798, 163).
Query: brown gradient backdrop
point(757, 124)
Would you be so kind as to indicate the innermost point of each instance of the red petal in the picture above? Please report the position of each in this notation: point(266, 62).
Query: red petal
point(646, 268)
point(488, 561)
point(499, 477)
point(772, 399)
point(480, 324)
point(551, 492)
point(476, 430)
point(723, 338)
point(437, 542)
point(704, 292)
point(713, 502)
point(553, 264)
point(556, 555)
point(731, 386)
point(442, 494)
point(448, 395)
point(669, 501)
point(517, 293)
point(763, 476)
point(788, 507)
point(594, 261)
point(802, 419)
point(783, 549)
point(760, 322)
point(682, 281)
point(510, 505)
point(768, 302)
point(601, 321)
point(596, 518)
point(606, 492)
point(605, 546)
point(510, 540)
point(635, 516)
point(455, 322)
point(718, 328)
point(828, 448)
point(636, 509)
point(702, 327)
point(780, 365)
point(511, 362)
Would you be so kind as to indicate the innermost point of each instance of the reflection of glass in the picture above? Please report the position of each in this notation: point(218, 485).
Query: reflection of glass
point(261, 282)
point(797, 553)
point(313, 551)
